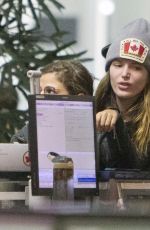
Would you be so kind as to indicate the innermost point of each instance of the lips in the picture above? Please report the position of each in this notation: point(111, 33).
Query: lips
point(124, 85)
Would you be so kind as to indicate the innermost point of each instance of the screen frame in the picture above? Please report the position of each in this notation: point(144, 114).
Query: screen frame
point(33, 147)
point(15, 176)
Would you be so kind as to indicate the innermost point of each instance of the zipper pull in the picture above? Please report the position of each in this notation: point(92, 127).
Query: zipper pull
point(114, 133)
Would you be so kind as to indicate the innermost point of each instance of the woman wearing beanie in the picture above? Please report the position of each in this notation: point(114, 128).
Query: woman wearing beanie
point(123, 100)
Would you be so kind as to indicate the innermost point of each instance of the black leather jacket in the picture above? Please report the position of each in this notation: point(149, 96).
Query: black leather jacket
point(116, 150)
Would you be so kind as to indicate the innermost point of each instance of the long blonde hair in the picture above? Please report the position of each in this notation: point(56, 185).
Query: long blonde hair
point(139, 113)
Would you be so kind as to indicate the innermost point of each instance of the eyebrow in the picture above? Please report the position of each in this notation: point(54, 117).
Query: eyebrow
point(50, 87)
point(130, 61)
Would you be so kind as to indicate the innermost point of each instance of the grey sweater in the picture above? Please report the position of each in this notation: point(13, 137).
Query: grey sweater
point(21, 136)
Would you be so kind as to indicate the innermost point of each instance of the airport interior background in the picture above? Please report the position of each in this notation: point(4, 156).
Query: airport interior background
point(97, 22)
point(93, 24)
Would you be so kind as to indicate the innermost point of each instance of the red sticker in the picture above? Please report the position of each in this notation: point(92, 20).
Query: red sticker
point(26, 159)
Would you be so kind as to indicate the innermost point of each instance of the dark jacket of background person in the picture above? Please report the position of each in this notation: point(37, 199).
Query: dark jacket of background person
point(21, 136)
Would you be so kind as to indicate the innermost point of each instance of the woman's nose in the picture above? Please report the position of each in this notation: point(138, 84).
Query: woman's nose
point(126, 72)
point(42, 92)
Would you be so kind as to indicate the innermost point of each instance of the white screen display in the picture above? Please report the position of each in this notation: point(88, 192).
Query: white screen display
point(66, 128)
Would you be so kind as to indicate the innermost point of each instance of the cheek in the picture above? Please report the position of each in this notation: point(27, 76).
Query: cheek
point(140, 85)
point(113, 82)
point(113, 73)
point(141, 80)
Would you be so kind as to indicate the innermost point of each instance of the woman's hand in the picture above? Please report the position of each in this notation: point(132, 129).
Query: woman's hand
point(106, 119)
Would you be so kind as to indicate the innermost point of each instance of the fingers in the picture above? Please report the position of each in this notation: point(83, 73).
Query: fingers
point(106, 120)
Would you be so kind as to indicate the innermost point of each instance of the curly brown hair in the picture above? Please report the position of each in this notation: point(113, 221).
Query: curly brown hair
point(73, 75)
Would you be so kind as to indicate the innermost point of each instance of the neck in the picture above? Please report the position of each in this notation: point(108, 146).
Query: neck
point(124, 104)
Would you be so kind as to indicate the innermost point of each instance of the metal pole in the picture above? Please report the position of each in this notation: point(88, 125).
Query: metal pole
point(34, 76)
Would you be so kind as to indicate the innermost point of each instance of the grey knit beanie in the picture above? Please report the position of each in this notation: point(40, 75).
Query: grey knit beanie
point(133, 42)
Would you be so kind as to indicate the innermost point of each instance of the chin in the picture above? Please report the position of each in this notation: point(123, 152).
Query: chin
point(125, 96)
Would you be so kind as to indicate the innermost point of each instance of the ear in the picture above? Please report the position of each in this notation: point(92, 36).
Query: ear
point(81, 94)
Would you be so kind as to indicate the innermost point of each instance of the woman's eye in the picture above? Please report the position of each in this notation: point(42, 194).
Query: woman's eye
point(137, 67)
point(49, 90)
point(117, 64)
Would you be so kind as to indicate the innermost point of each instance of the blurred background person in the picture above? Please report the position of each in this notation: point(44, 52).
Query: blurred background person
point(61, 77)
